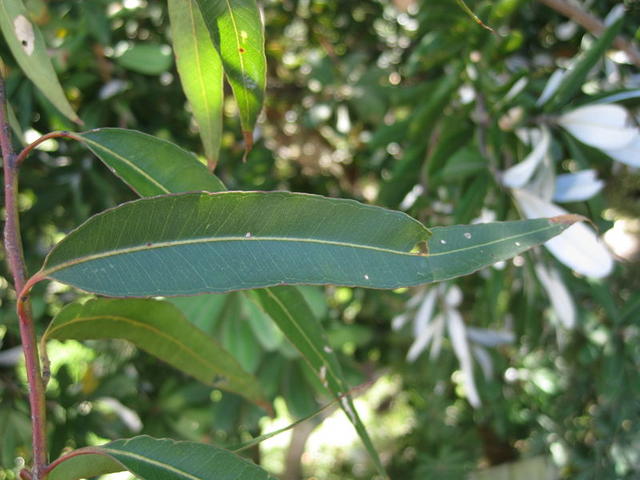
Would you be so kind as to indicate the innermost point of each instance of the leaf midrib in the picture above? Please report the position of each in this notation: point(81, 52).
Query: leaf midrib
point(195, 241)
point(124, 160)
point(115, 453)
point(151, 328)
point(174, 243)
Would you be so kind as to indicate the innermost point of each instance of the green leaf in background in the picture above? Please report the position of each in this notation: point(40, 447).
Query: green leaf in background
point(159, 328)
point(146, 58)
point(158, 459)
point(576, 76)
point(213, 243)
point(149, 165)
point(27, 45)
point(288, 308)
point(200, 70)
point(237, 32)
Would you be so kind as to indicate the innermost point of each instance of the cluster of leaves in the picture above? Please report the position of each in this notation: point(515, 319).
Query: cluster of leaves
point(357, 94)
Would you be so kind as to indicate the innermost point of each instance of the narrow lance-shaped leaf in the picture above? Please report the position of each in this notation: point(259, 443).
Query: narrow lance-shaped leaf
point(27, 45)
point(200, 71)
point(237, 32)
point(288, 308)
point(575, 77)
point(157, 459)
point(199, 242)
point(149, 165)
point(159, 328)
point(293, 316)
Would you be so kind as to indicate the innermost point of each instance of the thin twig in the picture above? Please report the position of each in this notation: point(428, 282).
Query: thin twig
point(27, 150)
point(594, 25)
point(15, 260)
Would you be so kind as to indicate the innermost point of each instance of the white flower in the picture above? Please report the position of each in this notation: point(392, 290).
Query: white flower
point(558, 294)
point(437, 310)
point(607, 127)
point(518, 175)
point(578, 247)
point(577, 187)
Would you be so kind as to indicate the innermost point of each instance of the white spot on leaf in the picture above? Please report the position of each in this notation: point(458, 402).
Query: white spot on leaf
point(467, 235)
point(24, 33)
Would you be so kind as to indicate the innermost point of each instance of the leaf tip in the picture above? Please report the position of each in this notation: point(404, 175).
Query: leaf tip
point(568, 219)
point(248, 144)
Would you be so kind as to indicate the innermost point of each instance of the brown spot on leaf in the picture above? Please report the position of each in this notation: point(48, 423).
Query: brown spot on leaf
point(241, 50)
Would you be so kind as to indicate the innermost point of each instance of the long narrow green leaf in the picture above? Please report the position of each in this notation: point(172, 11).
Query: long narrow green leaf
point(200, 71)
point(200, 309)
point(237, 32)
point(576, 76)
point(28, 48)
point(158, 459)
point(149, 165)
point(288, 308)
point(159, 328)
point(199, 242)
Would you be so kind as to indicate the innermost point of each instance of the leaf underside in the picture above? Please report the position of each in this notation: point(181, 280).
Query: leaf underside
point(199, 242)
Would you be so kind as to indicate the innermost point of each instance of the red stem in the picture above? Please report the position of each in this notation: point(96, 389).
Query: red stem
point(74, 453)
point(27, 150)
point(15, 260)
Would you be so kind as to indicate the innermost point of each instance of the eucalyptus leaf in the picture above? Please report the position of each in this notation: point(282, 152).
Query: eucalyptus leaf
point(213, 243)
point(149, 165)
point(27, 46)
point(159, 328)
point(573, 79)
point(157, 459)
point(237, 32)
point(201, 72)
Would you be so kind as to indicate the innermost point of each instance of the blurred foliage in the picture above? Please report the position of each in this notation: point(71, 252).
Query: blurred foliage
point(366, 100)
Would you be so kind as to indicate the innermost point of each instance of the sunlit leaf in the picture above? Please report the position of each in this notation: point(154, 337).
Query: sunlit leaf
point(158, 459)
point(159, 328)
point(237, 32)
point(200, 70)
point(26, 43)
point(199, 242)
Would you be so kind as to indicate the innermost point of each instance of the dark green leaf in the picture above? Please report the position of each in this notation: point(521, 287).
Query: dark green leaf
point(200, 71)
point(26, 43)
point(199, 242)
point(149, 165)
point(159, 328)
point(158, 459)
point(576, 76)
